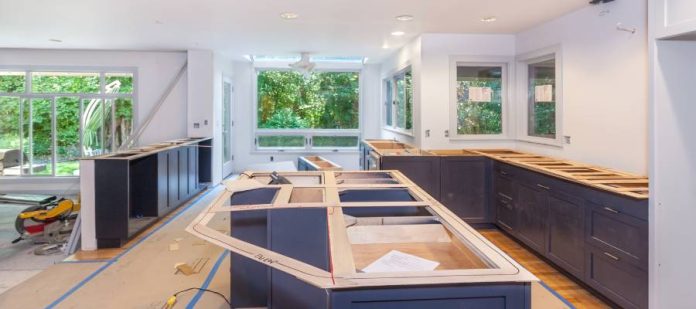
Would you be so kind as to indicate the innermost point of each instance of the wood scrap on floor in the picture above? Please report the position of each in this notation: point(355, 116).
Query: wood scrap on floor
point(191, 268)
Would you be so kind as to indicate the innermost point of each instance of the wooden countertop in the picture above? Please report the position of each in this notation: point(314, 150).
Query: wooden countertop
point(143, 151)
point(597, 177)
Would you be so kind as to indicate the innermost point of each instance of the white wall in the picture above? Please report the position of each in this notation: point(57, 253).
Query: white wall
point(435, 82)
point(243, 109)
point(402, 58)
point(155, 70)
point(604, 84)
point(673, 175)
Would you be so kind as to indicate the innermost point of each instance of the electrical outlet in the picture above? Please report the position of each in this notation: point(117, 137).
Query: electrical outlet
point(446, 133)
point(205, 122)
point(567, 139)
point(196, 125)
point(271, 158)
point(427, 133)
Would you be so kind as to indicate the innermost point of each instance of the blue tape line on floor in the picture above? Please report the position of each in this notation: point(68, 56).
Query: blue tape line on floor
point(557, 295)
point(113, 260)
point(207, 281)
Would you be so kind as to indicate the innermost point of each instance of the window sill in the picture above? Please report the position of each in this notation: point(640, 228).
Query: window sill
point(557, 143)
point(481, 137)
point(399, 131)
point(305, 151)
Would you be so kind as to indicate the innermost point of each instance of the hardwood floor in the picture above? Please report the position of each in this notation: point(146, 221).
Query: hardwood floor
point(564, 286)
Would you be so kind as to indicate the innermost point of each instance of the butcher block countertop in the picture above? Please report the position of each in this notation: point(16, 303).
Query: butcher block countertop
point(602, 178)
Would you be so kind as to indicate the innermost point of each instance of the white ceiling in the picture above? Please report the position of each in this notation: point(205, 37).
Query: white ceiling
point(239, 27)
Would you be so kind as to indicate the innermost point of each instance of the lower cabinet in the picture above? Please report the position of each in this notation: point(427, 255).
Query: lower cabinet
point(532, 209)
point(464, 187)
point(566, 237)
point(424, 171)
point(617, 279)
point(599, 238)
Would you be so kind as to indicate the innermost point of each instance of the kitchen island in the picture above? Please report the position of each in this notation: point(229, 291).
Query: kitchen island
point(315, 240)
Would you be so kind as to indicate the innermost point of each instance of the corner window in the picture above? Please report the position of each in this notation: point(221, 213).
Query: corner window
point(49, 119)
point(398, 109)
point(541, 99)
point(298, 111)
point(478, 97)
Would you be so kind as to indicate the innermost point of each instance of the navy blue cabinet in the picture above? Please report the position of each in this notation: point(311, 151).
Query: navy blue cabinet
point(424, 171)
point(599, 237)
point(464, 187)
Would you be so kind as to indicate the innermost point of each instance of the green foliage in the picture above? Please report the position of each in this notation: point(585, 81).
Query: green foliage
point(335, 141)
point(67, 113)
point(281, 141)
point(479, 117)
point(543, 122)
point(323, 100)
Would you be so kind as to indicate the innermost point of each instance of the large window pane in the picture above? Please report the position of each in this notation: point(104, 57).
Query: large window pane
point(335, 141)
point(64, 82)
point(479, 100)
point(67, 136)
point(226, 122)
point(283, 141)
point(408, 81)
point(542, 99)
point(41, 137)
point(123, 120)
point(26, 137)
point(118, 82)
point(107, 127)
point(10, 135)
point(400, 102)
point(320, 100)
point(12, 82)
point(388, 101)
point(93, 127)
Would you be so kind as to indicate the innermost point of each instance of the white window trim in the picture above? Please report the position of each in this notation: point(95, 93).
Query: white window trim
point(101, 70)
point(307, 133)
point(523, 60)
point(393, 127)
point(508, 70)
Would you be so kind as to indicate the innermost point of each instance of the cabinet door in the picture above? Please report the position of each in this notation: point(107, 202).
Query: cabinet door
point(192, 169)
point(424, 171)
point(506, 216)
point(173, 178)
point(463, 187)
point(183, 173)
point(566, 241)
point(162, 182)
point(532, 205)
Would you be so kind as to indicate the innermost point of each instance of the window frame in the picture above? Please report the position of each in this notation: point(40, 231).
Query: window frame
point(523, 62)
point(307, 133)
point(29, 95)
point(507, 65)
point(391, 79)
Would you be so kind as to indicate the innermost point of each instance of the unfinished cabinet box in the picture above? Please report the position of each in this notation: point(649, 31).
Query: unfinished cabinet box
point(464, 187)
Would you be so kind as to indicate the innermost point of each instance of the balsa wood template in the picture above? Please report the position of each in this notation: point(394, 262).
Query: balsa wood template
point(354, 242)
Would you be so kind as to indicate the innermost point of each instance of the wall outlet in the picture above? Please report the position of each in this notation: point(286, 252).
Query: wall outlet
point(567, 139)
point(196, 125)
point(446, 133)
point(205, 122)
point(427, 133)
point(271, 158)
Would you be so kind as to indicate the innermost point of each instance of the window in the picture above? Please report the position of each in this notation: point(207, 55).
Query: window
point(478, 99)
point(541, 99)
point(317, 110)
point(52, 118)
point(398, 97)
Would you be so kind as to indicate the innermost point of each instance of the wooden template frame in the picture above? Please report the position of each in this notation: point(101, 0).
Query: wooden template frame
point(343, 273)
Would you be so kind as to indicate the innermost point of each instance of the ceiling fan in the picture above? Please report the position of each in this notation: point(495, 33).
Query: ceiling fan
point(304, 65)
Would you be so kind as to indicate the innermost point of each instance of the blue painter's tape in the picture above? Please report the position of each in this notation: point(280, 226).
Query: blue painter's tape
point(206, 283)
point(113, 260)
point(557, 295)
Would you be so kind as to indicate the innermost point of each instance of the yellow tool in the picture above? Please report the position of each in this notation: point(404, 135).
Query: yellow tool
point(61, 207)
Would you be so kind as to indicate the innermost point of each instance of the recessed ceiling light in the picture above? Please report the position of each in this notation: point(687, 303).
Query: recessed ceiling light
point(404, 18)
point(289, 15)
point(489, 19)
point(398, 33)
point(385, 46)
point(56, 40)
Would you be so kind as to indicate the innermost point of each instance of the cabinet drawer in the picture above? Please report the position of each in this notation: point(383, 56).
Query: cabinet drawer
point(503, 187)
point(610, 229)
point(506, 217)
point(620, 281)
